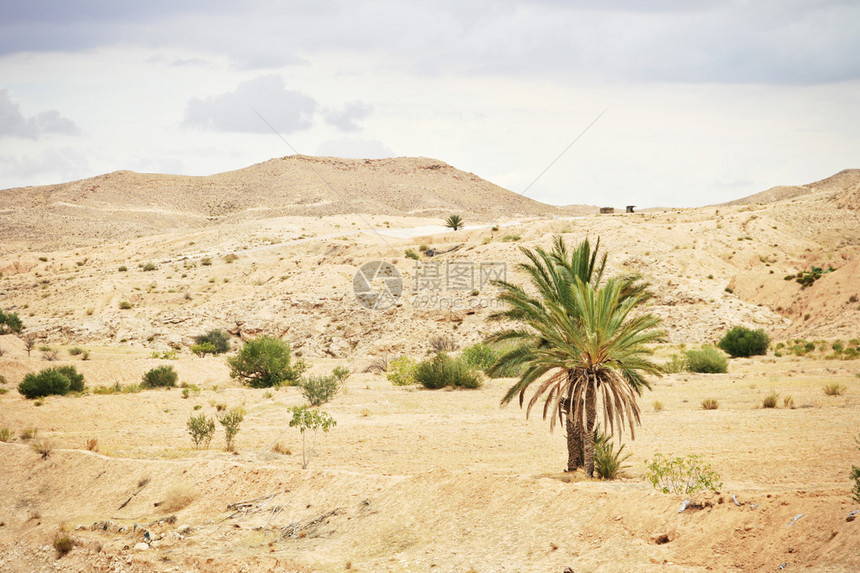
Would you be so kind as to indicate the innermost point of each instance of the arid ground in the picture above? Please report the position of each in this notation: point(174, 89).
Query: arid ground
point(411, 479)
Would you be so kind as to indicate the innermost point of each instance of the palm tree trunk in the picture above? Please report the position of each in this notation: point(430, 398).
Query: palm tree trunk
point(588, 437)
point(574, 433)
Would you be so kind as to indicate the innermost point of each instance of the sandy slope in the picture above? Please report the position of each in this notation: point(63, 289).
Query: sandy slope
point(411, 480)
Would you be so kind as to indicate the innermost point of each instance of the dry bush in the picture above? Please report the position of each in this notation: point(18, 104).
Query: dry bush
point(444, 343)
point(280, 448)
point(770, 400)
point(178, 497)
point(93, 444)
point(710, 404)
point(63, 544)
point(788, 402)
point(29, 433)
point(658, 405)
point(43, 447)
point(834, 389)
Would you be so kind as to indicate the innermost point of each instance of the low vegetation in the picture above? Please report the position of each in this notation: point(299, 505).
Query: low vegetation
point(265, 362)
point(743, 342)
point(770, 401)
point(160, 377)
point(321, 389)
point(51, 381)
point(710, 404)
point(213, 342)
point(10, 323)
point(834, 389)
point(855, 476)
point(401, 371)
point(707, 360)
point(201, 429)
point(442, 371)
point(608, 462)
point(682, 475)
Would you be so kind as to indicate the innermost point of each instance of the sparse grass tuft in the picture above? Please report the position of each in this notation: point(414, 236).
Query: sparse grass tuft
point(178, 497)
point(788, 402)
point(770, 400)
point(6, 435)
point(658, 406)
point(834, 389)
point(63, 544)
point(93, 444)
point(710, 404)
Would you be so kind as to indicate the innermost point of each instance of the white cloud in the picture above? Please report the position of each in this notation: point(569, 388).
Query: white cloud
point(14, 124)
point(346, 118)
point(286, 110)
point(53, 165)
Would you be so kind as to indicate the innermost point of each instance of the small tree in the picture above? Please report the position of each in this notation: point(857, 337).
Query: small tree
point(46, 383)
point(218, 339)
point(304, 419)
point(454, 222)
point(319, 389)
point(29, 342)
point(741, 342)
point(10, 323)
point(231, 419)
point(265, 362)
point(160, 376)
point(201, 429)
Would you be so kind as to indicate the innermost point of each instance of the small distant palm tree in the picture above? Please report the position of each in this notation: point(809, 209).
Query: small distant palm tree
point(454, 222)
point(578, 343)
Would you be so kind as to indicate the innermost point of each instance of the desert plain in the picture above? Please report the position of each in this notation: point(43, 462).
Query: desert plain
point(130, 267)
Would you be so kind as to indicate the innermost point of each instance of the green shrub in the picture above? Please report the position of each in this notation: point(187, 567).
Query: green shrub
point(75, 351)
point(218, 339)
point(52, 381)
point(708, 360)
point(710, 404)
point(510, 238)
point(401, 371)
point(201, 429)
point(231, 419)
point(410, 254)
point(203, 349)
point(10, 323)
point(124, 305)
point(160, 377)
point(319, 389)
point(675, 365)
point(682, 475)
point(608, 462)
point(742, 342)
point(341, 373)
point(63, 544)
point(442, 370)
point(150, 266)
point(480, 356)
point(5, 435)
point(123, 269)
point(265, 362)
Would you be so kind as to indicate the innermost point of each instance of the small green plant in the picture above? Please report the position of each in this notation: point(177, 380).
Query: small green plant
point(5, 435)
point(230, 258)
point(834, 389)
point(201, 429)
point(401, 371)
point(148, 267)
point(124, 305)
point(510, 238)
point(319, 389)
point(29, 433)
point(265, 362)
point(742, 342)
point(708, 360)
point(682, 475)
point(160, 377)
point(203, 349)
point(341, 373)
point(75, 351)
point(123, 269)
point(710, 404)
point(43, 448)
point(770, 400)
point(305, 419)
point(231, 419)
point(63, 544)
point(608, 462)
point(410, 254)
point(442, 370)
point(675, 365)
point(658, 406)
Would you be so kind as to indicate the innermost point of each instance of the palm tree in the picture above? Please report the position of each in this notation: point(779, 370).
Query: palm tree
point(454, 222)
point(577, 340)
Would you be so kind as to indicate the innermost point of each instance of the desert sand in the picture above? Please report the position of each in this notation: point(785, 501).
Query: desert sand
point(409, 479)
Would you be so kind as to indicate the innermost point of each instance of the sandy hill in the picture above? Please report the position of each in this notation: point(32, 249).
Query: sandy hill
point(842, 188)
point(125, 203)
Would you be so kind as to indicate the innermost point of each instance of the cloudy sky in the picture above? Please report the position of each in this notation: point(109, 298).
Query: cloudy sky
point(702, 101)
